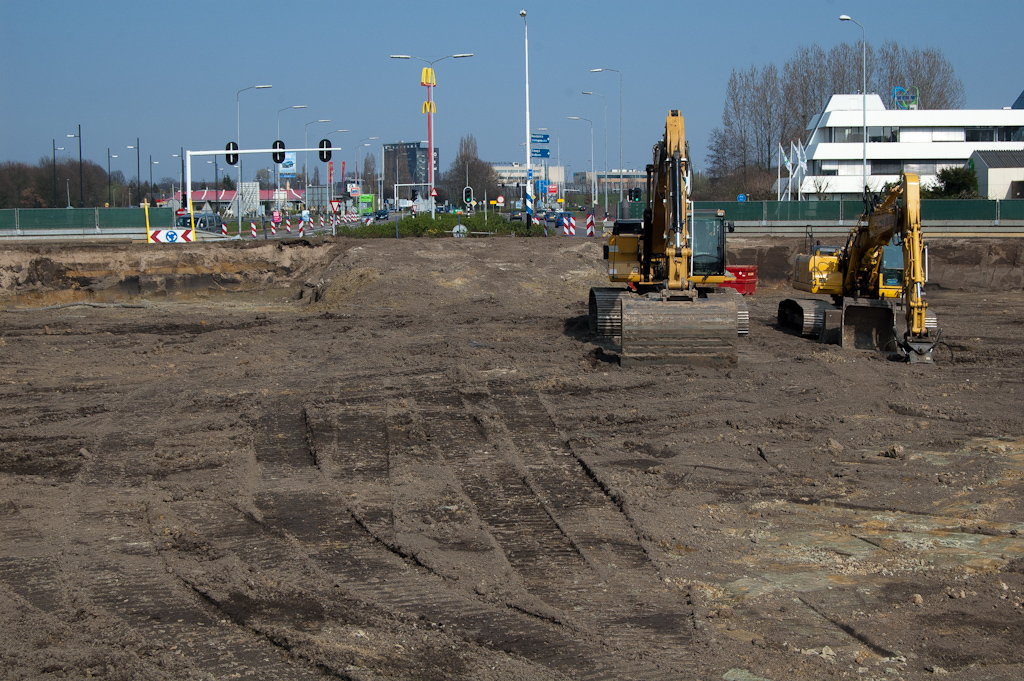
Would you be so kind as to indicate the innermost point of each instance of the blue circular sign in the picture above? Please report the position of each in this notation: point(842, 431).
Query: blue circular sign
point(171, 236)
point(741, 197)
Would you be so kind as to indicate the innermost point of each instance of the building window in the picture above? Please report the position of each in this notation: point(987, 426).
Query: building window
point(829, 167)
point(1011, 134)
point(947, 134)
point(851, 168)
point(846, 135)
point(883, 134)
point(919, 167)
point(980, 134)
point(886, 167)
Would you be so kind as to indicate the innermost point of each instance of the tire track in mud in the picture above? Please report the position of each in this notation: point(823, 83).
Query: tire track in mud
point(520, 521)
point(169, 631)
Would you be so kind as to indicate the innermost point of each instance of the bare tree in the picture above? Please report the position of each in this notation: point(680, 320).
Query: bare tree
point(764, 108)
point(467, 167)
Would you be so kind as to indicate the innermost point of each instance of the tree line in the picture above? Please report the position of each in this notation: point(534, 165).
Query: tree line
point(768, 106)
point(23, 185)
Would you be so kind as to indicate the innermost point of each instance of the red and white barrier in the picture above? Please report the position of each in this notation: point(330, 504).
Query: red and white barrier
point(572, 226)
point(273, 229)
point(253, 224)
point(321, 220)
point(302, 224)
point(288, 224)
point(223, 229)
point(590, 224)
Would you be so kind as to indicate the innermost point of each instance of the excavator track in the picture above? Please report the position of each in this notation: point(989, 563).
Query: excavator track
point(605, 312)
point(701, 331)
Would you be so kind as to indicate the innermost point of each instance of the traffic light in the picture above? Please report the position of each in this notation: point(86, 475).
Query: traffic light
point(325, 151)
point(467, 195)
point(232, 159)
point(635, 194)
point(278, 155)
point(415, 194)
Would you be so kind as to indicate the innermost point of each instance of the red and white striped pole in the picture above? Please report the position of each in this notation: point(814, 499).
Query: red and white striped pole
point(253, 229)
point(590, 224)
point(288, 224)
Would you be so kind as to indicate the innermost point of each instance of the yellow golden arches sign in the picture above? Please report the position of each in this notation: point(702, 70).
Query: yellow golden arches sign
point(427, 77)
point(429, 107)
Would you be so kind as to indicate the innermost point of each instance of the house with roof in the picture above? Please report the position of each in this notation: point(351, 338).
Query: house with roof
point(1000, 173)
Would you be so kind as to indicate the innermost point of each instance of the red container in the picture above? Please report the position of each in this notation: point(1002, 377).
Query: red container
point(746, 278)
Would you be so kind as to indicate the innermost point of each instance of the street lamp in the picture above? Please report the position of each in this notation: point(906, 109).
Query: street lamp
point(151, 162)
point(597, 94)
point(428, 81)
point(863, 92)
point(305, 161)
point(110, 199)
point(81, 183)
point(138, 170)
point(355, 153)
point(238, 140)
point(55, 148)
point(593, 178)
point(277, 178)
point(529, 152)
point(620, 129)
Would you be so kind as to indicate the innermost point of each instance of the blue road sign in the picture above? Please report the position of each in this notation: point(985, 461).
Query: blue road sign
point(540, 139)
point(540, 153)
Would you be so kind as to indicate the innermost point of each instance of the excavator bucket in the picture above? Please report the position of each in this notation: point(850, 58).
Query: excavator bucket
point(698, 331)
point(868, 325)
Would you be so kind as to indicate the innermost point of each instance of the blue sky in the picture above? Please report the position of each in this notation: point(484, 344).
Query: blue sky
point(168, 72)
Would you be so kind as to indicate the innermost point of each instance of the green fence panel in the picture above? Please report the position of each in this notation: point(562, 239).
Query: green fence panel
point(852, 210)
point(7, 221)
point(795, 211)
point(57, 218)
point(1008, 210)
point(734, 210)
point(135, 217)
point(941, 209)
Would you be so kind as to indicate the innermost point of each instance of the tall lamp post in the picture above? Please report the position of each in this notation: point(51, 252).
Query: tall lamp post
point(863, 91)
point(238, 140)
point(620, 129)
point(151, 162)
point(428, 80)
point(138, 169)
point(355, 153)
point(593, 177)
point(277, 178)
point(597, 94)
point(529, 152)
point(81, 183)
point(55, 148)
point(305, 162)
point(110, 199)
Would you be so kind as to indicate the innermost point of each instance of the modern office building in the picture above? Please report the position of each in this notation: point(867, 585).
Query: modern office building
point(406, 163)
point(920, 141)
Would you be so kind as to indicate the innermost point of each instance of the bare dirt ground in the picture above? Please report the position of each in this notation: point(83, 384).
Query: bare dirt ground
point(409, 459)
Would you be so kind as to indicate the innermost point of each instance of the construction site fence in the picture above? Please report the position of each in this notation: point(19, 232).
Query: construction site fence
point(969, 210)
point(14, 221)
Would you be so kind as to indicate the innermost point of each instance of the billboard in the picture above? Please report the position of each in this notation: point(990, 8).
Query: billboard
point(287, 169)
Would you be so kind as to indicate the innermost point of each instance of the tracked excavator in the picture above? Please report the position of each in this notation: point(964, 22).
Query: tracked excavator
point(672, 309)
point(881, 271)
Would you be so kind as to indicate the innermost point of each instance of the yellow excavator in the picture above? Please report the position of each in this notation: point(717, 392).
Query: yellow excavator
point(672, 309)
point(881, 270)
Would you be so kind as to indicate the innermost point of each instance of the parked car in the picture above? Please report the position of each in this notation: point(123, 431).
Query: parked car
point(381, 215)
point(208, 222)
point(516, 215)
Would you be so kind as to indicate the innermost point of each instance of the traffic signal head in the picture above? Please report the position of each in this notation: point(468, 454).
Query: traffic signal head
point(325, 150)
point(415, 194)
point(232, 159)
point(278, 155)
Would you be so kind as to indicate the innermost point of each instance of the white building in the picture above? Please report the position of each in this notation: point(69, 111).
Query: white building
point(1000, 174)
point(899, 140)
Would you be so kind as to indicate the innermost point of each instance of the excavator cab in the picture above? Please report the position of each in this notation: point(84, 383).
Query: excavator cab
point(708, 243)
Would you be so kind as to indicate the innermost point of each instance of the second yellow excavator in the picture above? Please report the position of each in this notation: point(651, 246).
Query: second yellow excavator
point(882, 269)
point(673, 309)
